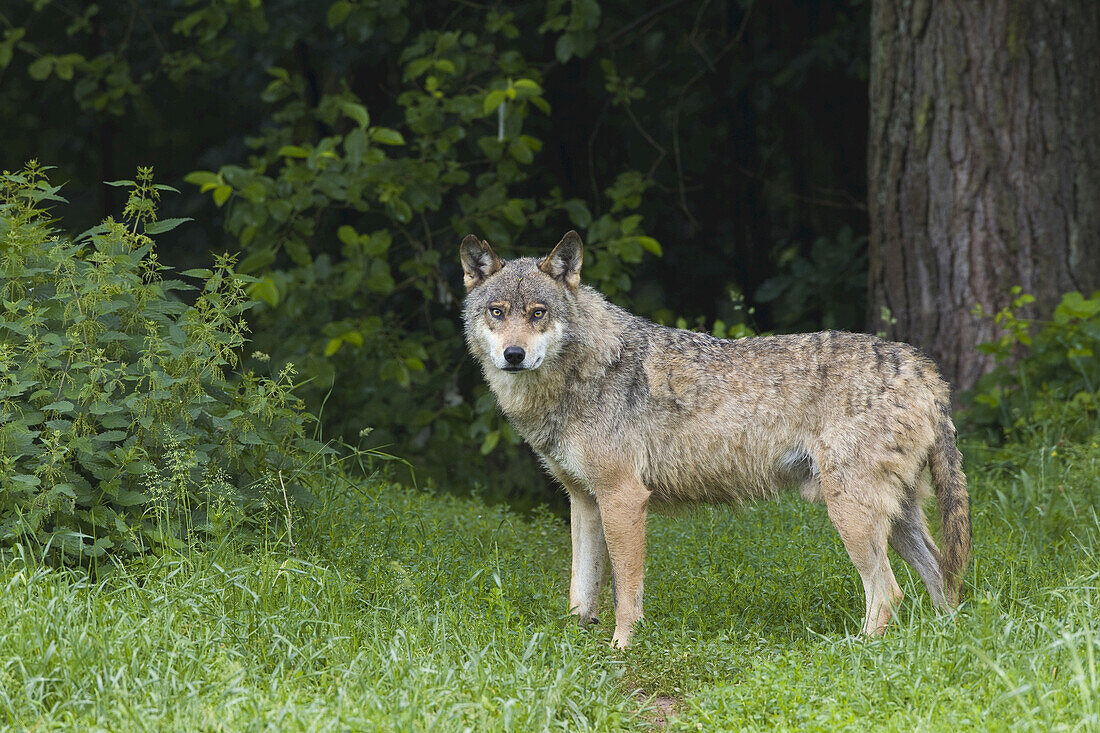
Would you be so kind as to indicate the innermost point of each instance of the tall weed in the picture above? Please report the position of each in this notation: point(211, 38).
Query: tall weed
point(123, 426)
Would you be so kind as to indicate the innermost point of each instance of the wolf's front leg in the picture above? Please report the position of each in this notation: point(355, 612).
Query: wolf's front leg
point(589, 555)
point(623, 511)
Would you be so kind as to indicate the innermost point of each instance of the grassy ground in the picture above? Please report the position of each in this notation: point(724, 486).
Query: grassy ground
point(402, 610)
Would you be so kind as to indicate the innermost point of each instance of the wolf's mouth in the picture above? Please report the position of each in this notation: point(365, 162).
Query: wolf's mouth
point(511, 368)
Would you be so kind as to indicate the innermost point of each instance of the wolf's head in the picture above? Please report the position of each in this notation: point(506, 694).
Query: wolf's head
point(517, 313)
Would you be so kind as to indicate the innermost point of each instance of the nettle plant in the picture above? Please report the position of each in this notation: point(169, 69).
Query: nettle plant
point(1047, 374)
point(122, 426)
point(351, 227)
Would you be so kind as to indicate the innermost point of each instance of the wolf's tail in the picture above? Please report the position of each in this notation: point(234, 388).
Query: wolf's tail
point(949, 482)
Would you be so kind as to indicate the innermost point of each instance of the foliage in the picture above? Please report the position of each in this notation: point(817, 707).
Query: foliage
point(347, 146)
point(1047, 377)
point(828, 287)
point(122, 429)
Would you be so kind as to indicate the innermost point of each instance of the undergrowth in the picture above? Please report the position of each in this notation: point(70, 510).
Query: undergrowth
point(123, 425)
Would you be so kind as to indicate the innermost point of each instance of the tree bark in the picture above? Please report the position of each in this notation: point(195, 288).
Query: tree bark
point(984, 166)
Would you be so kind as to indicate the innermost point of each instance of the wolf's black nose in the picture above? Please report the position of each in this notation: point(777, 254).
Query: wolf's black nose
point(514, 355)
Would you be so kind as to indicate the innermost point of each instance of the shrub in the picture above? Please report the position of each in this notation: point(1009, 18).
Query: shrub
point(826, 289)
point(1047, 375)
point(122, 427)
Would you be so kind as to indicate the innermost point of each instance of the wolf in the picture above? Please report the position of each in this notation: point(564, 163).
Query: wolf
point(624, 412)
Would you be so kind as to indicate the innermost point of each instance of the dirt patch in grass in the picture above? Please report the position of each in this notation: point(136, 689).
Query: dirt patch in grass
point(663, 706)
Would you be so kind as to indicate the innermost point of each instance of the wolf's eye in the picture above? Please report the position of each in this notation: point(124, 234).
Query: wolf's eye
point(496, 312)
point(538, 313)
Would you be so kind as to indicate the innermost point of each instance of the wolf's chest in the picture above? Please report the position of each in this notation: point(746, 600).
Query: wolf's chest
point(534, 411)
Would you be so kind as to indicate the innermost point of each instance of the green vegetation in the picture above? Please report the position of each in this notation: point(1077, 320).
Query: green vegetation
point(405, 610)
point(1053, 389)
point(122, 426)
point(344, 147)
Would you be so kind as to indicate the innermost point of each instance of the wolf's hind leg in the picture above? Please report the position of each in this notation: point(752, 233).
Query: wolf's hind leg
point(623, 510)
point(590, 564)
point(863, 525)
point(910, 538)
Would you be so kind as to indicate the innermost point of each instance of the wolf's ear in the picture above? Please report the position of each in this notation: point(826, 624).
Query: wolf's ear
point(479, 261)
point(564, 261)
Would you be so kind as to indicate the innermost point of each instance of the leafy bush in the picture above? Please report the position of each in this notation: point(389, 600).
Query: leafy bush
point(121, 428)
point(1047, 375)
point(827, 289)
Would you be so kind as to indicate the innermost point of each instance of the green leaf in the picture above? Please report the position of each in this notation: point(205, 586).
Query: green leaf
point(490, 442)
point(563, 49)
point(126, 497)
point(386, 136)
point(651, 245)
point(40, 68)
point(203, 178)
point(378, 243)
point(527, 85)
point(293, 151)
point(578, 213)
point(630, 223)
point(379, 279)
point(772, 288)
point(493, 100)
point(519, 150)
point(393, 370)
point(114, 418)
point(28, 480)
point(333, 346)
point(298, 252)
point(265, 290)
point(356, 112)
point(355, 145)
point(256, 261)
point(338, 12)
point(347, 235)
point(165, 225)
point(60, 406)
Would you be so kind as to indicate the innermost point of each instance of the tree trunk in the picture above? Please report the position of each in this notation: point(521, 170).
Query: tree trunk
point(984, 165)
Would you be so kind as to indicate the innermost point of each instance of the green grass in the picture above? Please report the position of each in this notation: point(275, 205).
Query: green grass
point(403, 610)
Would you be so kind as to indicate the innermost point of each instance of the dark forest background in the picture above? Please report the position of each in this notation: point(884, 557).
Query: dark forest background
point(713, 155)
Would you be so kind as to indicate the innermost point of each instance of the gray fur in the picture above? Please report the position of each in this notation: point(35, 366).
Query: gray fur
point(910, 539)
